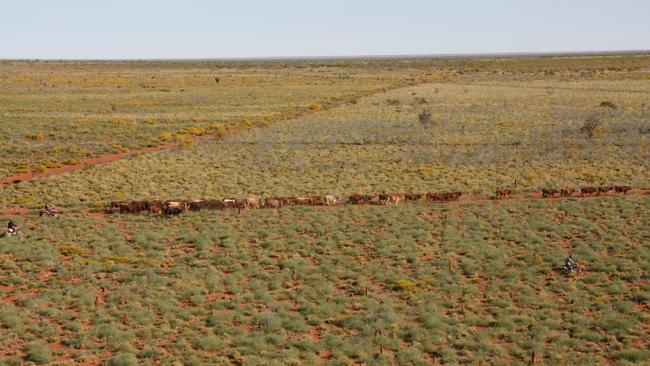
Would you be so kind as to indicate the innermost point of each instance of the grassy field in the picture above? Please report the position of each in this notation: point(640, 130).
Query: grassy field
point(474, 282)
point(470, 284)
point(56, 113)
point(481, 135)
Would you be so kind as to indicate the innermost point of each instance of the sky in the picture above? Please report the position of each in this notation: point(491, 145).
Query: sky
point(154, 29)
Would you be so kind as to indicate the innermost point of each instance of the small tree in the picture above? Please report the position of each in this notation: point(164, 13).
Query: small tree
point(591, 126)
point(427, 119)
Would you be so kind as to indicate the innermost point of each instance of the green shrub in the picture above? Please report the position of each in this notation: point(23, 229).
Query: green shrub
point(38, 353)
point(608, 104)
point(123, 359)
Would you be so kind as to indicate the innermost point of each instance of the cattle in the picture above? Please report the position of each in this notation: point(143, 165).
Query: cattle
point(359, 199)
point(605, 190)
point(304, 201)
point(443, 196)
point(589, 191)
point(622, 189)
point(435, 197)
point(388, 199)
point(317, 200)
point(232, 203)
point(132, 207)
point(412, 197)
point(173, 211)
point(155, 207)
point(550, 193)
point(502, 193)
point(272, 203)
point(288, 201)
point(252, 202)
point(567, 192)
point(198, 205)
point(331, 200)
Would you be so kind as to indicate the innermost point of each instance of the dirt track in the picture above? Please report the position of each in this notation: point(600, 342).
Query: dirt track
point(26, 177)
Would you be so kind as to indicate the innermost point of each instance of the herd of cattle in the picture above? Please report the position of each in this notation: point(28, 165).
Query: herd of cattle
point(571, 192)
point(176, 207)
point(171, 208)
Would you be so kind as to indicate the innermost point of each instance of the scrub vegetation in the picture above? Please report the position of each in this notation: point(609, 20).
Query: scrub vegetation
point(474, 281)
point(410, 284)
point(476, 137)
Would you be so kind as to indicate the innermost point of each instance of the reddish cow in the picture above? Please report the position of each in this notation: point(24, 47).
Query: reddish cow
point(502, 193)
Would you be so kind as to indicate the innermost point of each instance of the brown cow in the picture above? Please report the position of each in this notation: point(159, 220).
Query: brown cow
point(288, 201)
point(359, 199)
point(317, 200)
point(231, 203)
point(588, 191)
point(453, 196)
point(622, 189)
point(198, 205)
point(567, 192)
point(155, 207)
point(132, 207)
point(436, 197)
point(502, 194)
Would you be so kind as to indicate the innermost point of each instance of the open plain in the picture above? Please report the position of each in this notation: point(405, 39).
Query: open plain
point(472, 280)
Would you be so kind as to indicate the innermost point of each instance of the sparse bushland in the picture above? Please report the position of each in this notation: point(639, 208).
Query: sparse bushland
point(351, 284)
point(487, 136)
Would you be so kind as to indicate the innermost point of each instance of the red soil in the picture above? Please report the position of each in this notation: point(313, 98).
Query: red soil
point(25, 177)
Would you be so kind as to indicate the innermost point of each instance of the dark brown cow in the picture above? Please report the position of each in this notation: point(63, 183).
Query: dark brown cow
point(550, 193)
point(605, 190)
point(435, 197)
point(588, 191)
point(453, 196)
point(359, 199)
point(622, 189)
point(567, 192)
point(502, 193)
point(173, 211)
point(412, 197)
point(132, 207)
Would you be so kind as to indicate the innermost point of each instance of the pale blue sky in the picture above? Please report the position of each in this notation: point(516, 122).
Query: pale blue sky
point(217, 29)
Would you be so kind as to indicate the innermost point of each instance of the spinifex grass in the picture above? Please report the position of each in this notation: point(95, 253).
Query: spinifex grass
point(375, 285)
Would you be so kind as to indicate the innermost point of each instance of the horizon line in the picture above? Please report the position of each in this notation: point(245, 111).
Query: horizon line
point(440, 56)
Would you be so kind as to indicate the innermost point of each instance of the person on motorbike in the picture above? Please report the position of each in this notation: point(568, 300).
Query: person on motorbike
point(12, 228)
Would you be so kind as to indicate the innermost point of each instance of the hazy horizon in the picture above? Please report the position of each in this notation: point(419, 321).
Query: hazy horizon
point(287, 29)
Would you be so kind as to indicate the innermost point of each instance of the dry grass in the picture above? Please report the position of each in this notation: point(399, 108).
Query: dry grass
point(486, 135)
point(377, 285)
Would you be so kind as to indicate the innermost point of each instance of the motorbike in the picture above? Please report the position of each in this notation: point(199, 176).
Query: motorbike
point(48, 213)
